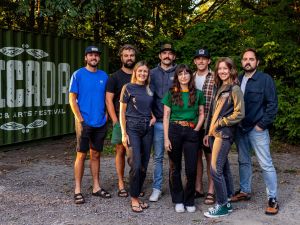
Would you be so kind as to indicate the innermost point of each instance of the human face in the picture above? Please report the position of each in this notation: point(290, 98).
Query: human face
point(202, 63)
point(184, 77)
point(249, 62)
point(128, 58)
point(142, 74)
point(167, 57)
point(223, 72)
point(92, 59)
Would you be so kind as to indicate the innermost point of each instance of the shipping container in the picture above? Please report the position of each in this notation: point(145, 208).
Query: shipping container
point(35, 72)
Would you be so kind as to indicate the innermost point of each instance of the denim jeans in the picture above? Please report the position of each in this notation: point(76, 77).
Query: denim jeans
point(183, 140)
point(260, 142)
point(138, 154)
point(220, 169)
point(158, 146)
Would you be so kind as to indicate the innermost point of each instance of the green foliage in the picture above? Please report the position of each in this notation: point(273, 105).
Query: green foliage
point(273, 29)
point(288, 117)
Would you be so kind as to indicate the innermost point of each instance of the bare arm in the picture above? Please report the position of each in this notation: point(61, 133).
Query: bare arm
point(166, 122)
point(75, 107)
point(110, 107)
point(125, 139)
point(200, 118)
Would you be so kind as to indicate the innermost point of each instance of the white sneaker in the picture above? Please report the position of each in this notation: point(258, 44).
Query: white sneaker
point(155, 195)
point(179, 207)
point(191, 209)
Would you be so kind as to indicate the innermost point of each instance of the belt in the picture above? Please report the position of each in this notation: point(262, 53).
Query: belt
point(185, 123)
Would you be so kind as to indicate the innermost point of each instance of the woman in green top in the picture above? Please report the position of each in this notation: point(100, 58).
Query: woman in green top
point(183, 118)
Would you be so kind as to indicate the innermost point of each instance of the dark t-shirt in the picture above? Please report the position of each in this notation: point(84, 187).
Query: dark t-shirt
point(139, 102)
point(115, 84)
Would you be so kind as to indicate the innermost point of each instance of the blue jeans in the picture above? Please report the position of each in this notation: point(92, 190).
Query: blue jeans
point(260, 142)
point(158, 146)
point(138, 154)
point(220, 169)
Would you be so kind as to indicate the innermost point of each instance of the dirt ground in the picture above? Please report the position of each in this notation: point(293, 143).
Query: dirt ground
point(36, 187)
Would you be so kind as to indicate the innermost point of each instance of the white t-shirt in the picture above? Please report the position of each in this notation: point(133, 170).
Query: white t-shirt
point(199, 81)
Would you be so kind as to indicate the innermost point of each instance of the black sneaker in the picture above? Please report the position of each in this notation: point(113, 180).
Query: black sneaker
point(272, 207)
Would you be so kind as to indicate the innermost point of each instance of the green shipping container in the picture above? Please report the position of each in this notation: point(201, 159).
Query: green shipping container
point(35, 72)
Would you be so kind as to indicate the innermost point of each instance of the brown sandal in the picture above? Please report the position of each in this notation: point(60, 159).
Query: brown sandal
point(144, 205)
point(78, 198)
point(136, 209)
point(210, 199)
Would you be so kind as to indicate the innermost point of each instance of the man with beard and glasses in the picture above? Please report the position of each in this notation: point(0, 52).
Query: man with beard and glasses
point(261, 106)
point(87, 101)
point(161, 81)
point(115, 84)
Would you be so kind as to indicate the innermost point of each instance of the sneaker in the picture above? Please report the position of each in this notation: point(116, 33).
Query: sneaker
point(272, 207)
point(240, 196)
point(229, 207)
point(217, 211)
point(179, 207)
point(191, 209)
point(155, 195)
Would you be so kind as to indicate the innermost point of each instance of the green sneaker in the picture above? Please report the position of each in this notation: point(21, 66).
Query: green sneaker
point(229, 207)
point(217, 211)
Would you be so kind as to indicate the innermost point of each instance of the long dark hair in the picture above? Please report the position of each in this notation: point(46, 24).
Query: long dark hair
point(233, 71)
point(176, 89)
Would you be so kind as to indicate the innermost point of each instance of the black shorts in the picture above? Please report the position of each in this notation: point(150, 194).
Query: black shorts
point(89, 137)
point(203, 148)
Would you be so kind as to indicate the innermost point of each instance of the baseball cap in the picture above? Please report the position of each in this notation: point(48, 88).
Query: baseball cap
point(202, 52)
point(166, 47)
point(91, 49)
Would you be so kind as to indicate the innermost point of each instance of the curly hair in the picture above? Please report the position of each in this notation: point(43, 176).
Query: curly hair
point(233, 71)
point(176, 89)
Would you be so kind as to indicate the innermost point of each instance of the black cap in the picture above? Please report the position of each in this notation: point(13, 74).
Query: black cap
point(202, 52)
point(166, 47)
point(91, 49)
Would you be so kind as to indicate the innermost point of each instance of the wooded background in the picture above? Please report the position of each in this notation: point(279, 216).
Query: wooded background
point(225, 27)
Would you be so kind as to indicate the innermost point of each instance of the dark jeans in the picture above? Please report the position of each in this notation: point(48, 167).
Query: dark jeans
point(183, 140)
point(220, 169)
point(138, 154)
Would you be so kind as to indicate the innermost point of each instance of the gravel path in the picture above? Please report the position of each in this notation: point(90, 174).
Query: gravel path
point(36, 187)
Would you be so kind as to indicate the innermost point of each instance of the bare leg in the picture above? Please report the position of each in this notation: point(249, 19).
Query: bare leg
point(210, 181)
point(120, 164)
point(95, 168)
point(79, 170)
point(199, 177)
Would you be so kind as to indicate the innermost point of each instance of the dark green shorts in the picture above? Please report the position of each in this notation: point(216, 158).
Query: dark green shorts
point(116, 136)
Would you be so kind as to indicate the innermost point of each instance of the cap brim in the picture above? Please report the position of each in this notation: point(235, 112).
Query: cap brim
point(167, 49)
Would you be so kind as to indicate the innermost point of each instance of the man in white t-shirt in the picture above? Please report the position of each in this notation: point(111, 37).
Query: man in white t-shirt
point(204, 80)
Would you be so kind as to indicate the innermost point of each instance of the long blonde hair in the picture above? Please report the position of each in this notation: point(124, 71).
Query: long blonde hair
point(147, 82)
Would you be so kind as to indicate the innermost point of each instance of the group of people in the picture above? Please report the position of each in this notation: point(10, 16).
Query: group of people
point(172, 109)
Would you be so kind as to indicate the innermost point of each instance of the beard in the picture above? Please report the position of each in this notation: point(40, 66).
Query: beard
point(249, 69)
point(93, 63)
point(129, 64)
